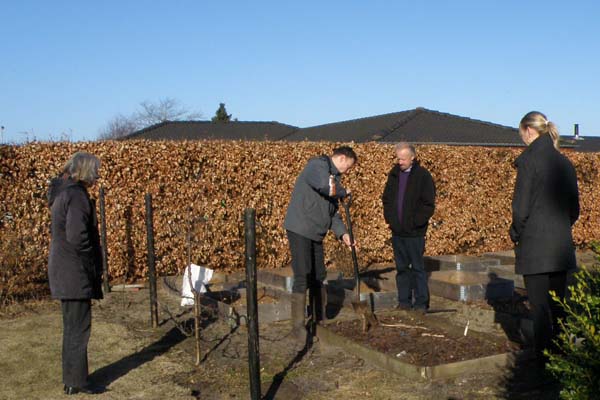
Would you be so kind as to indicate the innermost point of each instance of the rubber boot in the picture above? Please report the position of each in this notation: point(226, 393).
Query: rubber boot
point(298, 324)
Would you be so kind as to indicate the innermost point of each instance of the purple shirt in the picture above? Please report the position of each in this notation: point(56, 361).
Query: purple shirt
point(402, 181)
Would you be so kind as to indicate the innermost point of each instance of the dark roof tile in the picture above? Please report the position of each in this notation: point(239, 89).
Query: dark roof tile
point(587, 144)
point(419, 125)
point(196, 130)
point(428, 126)
point(357, 130)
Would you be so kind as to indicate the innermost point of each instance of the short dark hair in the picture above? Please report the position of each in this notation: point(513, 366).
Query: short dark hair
point(345, 151)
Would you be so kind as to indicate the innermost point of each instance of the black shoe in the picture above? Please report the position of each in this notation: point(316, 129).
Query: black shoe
point(420, 311)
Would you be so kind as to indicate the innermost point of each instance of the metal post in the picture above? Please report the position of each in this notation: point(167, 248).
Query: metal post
point(251, 303)
point(196, 293)
point(151, 262)
point(106, 285)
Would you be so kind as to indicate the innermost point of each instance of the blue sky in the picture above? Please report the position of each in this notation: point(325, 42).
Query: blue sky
point(67, 67)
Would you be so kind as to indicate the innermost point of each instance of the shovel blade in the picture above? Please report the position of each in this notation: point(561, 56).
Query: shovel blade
point(364, 311)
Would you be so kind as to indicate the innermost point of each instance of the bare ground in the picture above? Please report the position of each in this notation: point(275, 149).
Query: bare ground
point(135, 361)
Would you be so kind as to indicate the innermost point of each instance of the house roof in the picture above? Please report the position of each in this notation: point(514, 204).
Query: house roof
point(425, 126)
point(195, 130)
point(417, 126)
point(357, 130)
point(587, 144)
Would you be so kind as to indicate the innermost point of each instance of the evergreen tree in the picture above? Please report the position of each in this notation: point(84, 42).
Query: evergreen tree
point(221, 114)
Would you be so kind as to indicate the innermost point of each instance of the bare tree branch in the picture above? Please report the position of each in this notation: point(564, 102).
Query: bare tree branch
point(150, 113)
point(117, 127)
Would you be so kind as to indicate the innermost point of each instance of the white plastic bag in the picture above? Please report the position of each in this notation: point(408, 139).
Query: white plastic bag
point(200, 277)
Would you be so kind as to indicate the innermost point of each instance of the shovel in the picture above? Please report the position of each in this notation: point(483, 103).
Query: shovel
point(360, 307)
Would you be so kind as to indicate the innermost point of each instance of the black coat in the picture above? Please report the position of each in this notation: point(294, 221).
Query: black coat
point(74, 263)
point(544, 207)
point(418, 204)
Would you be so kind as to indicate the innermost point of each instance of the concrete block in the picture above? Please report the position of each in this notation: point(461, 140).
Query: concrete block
point(506, 257)
point(507, 271)
point(458, 263)
point(469, 286)
point(283, 278)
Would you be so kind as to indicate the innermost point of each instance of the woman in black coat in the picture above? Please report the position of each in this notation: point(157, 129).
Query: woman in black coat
point(545, 206)
point(74, 265)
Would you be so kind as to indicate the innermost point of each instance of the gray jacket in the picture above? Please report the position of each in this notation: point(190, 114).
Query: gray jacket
point(312, 212)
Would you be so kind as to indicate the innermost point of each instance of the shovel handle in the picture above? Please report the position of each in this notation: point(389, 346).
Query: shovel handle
point(348, 201)
point(346, 205)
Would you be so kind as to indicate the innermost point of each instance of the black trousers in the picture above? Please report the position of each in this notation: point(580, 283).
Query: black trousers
point(545, 311)
point(308, 262)
point(308, 265)
point(77, 325)
point(410, 271)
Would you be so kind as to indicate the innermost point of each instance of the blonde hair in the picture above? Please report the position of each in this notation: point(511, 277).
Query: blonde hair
point(540, 123)
point(83, 167)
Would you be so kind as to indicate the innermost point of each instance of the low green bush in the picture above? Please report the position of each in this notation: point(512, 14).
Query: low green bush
point(576, 359)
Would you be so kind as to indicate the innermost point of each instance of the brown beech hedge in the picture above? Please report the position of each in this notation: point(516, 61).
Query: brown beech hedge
point(204, 186)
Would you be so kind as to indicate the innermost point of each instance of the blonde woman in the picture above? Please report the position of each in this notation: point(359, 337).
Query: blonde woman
point(545, 205)
point(74, 265)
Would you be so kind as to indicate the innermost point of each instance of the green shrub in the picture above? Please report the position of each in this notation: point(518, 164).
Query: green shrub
point(576, 360)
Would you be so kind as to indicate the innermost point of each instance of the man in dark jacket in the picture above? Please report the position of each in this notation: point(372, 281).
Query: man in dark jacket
point(408, 204)
point(545, 205)
point(74, 264)
point(312, 212)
